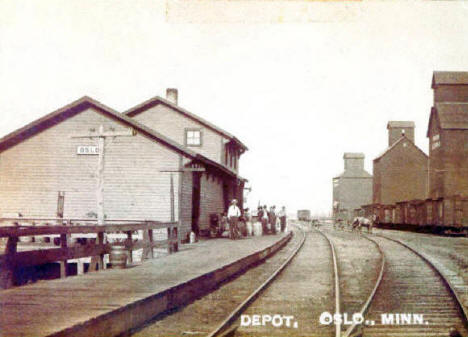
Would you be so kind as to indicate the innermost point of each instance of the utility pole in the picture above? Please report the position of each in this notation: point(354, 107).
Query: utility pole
point(101, 136)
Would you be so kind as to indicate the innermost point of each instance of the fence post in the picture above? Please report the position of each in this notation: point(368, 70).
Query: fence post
point(130, 244)
point(97, 260)
point(169, 240)
point(7, 271)
point(148, 241)
point(64, 240)
point(175, 241)
point(100, 241)
point(151, 241)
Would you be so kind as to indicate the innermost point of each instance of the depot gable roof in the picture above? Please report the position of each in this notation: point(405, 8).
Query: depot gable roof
point(86, 102)
point(73, 109)
point(159, 100)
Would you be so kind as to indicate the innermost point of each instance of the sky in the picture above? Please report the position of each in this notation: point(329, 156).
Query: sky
point(300, 82)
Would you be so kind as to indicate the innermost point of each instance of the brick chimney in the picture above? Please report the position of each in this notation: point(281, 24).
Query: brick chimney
point(396, 129)
point(172, 95)
point(353, 161)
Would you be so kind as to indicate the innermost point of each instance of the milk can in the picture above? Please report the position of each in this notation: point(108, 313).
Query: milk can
point(193, 237)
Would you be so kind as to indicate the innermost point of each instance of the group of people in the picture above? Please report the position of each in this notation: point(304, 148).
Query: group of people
point(267, 221)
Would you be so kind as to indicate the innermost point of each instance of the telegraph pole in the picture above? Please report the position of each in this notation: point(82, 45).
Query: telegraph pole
point(101, 136)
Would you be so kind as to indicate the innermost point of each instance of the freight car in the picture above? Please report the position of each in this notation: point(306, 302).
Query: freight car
point(443, 215)
point(303, 215)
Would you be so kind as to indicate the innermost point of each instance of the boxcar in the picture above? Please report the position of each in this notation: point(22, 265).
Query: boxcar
point(303, 215)
point(433, 215)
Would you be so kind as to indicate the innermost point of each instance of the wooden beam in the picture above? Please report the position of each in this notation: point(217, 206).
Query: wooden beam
point(153, 244)
point(45, 230)
point(185, 169)
point(13, 260)
point(42, 256)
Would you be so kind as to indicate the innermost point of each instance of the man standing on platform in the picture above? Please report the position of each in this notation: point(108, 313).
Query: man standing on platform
point(282, 216)
point(264, 220)
point(233, 217)
point(272, 219)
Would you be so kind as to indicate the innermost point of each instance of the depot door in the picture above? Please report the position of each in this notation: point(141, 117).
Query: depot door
point(196, 189)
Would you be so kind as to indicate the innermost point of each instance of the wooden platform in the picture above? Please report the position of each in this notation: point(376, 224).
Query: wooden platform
point(110, 302)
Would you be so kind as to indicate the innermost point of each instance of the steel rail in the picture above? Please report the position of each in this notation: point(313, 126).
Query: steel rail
point(450, 287)
point(366, 305)
point(337, 282)
point(241, 307)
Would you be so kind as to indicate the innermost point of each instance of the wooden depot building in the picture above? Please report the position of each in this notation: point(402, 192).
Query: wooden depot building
point(160, 162)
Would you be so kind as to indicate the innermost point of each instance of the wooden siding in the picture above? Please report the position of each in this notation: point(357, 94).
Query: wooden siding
point(394, 134)
point(33, 171)
point(172, 124)
point(436, 184)
point(451, 93)
point(454, 158)
point(211, 199)
point(376, 183)
point(401, 174)
point(448, 162)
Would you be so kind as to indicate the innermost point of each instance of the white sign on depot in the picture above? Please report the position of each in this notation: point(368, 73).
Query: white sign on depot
point(87, 149)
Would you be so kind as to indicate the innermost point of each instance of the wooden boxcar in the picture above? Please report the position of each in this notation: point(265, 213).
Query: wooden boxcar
point(303, 215)
point(433, 215)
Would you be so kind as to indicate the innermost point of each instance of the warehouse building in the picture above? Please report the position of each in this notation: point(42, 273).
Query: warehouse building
point(173, 165)
point(448, 136)
point(352, 188)
point(400, 172)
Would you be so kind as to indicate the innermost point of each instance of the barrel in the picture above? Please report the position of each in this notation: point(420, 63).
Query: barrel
point(118, 257)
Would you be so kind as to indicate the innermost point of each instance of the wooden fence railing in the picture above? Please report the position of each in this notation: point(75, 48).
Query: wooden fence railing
point(12, 260)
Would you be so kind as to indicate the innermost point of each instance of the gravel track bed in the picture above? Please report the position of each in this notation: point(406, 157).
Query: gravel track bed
point(410, 286)
point(448, 254)
point(303, 290)
point(359, 267)
point(203, 315)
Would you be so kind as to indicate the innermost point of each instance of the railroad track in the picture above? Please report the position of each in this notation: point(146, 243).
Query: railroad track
point(416, 299)
point(228, 327)
point(202, 317)
point(336, 278)
point(411, 293)
point(338, 299)
point(404, 283)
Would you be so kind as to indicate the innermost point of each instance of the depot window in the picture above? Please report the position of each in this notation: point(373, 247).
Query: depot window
point(193, 137)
